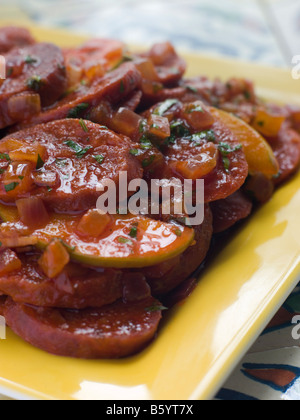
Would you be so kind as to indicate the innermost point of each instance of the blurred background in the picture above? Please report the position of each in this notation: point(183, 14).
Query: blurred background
point(265, 31)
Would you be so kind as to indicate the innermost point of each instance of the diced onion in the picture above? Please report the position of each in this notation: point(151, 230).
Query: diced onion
point(268, 123)
point(54, 259)
point(93, 224)
point(135, 288)
point(9, 262)
point(32, 212)
point(126, 122)
point(197, 115)
point(147, 69)
point(159, 126)
point(24, 105)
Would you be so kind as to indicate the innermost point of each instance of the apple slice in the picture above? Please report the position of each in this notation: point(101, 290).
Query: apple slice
point(127, 242)
point(259, 154)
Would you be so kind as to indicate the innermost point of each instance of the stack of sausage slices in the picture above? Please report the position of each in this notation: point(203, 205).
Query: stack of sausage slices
point(81, 283)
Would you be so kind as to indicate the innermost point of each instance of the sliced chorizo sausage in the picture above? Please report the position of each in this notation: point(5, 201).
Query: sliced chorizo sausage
point(286, 148)
point(227, 212)
point(12, 37)
point(63, 163)
point(166, 277)
point(76, 287)
point(112, 87)
point(36, 77)
point(201, 146)
point(114, 331)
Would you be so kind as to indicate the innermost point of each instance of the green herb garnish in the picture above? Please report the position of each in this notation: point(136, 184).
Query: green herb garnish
point(148, 162)
point(134, 152)
point(145, 143)
point(225, 150)
point(165, 106)
point(133, 232)
point(11, 186)
point(122, 240)
point(80, 151)
point(156, 308)
point(195, 108)
point(77, 110)
point(40, 163)
point(99, 158)
point(122, 86)
point(83, 125)
point(34, 83)
point(5, 156)
point(30, 60)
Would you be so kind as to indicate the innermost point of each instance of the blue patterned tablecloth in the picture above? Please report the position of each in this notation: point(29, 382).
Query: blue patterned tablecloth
point(264, 31)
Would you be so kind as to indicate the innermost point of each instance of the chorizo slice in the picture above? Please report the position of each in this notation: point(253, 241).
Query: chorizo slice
point(76, 287)
point(111, 332)
point(167, 276)
point(168, 65)
point(63, 163)
point(12, 37)
point(113, 87)
point(92, 59)
point(286, 148)
point(227, 212)
point(201, 146)
point(36, 77)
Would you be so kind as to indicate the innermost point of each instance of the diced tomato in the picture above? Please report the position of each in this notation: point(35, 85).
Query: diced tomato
point(126, 122)
point(54, 259)
point(32, 212)
point(146, 67)
point(30, 153)
point(93, 224)
point(203, 163)
point(197, 115)
point(159, 126)
point(16, 180)
point(9, 262)
point(268, 123)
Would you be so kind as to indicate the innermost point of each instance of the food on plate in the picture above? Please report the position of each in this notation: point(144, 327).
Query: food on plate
point(81, 282)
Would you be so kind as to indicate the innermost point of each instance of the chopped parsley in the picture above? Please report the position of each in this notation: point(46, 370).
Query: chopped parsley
point(178, 232)
point(5, 156)
point(148, 162)
point(30, 60)
point(77, 110)
point(40, 163)
point(134, 152)
point(122, 86)
point(165, 106)
point(61, 162)
point(192, 89)
point(208, 135)
point(194, 108)
point(11, 186)
point(225, 150)
point(179, 129)
point(133, 231)
point(83, 125)
point(145, 143)
point(142, 126)
point(99, 158)
point(80, 151)
point(122, 240)
point(34, 83)
point(156, 308)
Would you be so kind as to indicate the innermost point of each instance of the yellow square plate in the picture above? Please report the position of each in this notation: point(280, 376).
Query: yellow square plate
point(201, 341)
